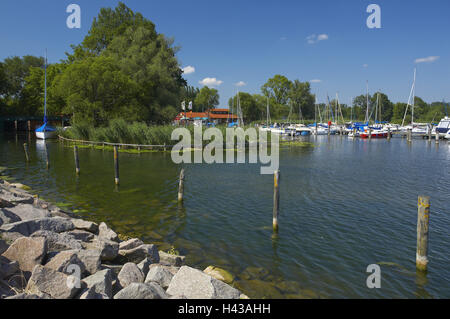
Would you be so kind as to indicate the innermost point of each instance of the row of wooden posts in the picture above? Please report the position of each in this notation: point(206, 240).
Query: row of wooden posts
point(422, 219)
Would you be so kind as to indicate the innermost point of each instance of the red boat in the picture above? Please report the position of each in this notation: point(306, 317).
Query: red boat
point(374, 133)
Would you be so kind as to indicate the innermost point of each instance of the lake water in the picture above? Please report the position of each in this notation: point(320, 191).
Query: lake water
point(344, 204)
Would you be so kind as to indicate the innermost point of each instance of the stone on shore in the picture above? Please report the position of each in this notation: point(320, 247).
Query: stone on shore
point(16, 197)
point(159, 275)
point(90, 293)
point(141, 291)
point(3, 246)
point(130, 244)
point(29, 212)
point(129, 274)
point(28, 296)
point(81, 235)
point(28, 227)
point(8, 217)
point(91, 259)
point(28, 252)
point(104, 232)
point(51, 282)
point(220, 274)
point(138, 254)
point(144, 266)
point(100, 282)
point(63, 260)
point(109, 250)
point(8, 267)
point(171, 260)
point(81, 224)
point(58, 241)
point(195, 284)
point(5, 204)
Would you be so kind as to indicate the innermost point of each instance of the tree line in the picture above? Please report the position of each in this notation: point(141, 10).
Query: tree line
point(124, 69)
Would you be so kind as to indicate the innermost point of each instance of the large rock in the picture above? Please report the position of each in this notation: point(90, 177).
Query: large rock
point(90, 293)
point(8, 217)
point(109, 250)
point(130, 244)
point(5, 204)
point(171, 260)
point(104, 232)
point(129, 274)
point(195, 284)
point(81, 235)
point(25, 296)
point(85, 225)
point(28, 212)
point(16, 197)
point(144, 265)
point(136, 255)
point(100, 282)
point(91, 259)
point(141, 291)
point(28, 252)
point(51, 282)
point(159, 275)
point(8, 267)
point(58, 241)
point(65, 259)
point(3, 246)
point(220, 274)
point(28, 227)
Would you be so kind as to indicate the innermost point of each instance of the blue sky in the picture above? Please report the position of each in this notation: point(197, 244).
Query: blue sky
point(250, 41)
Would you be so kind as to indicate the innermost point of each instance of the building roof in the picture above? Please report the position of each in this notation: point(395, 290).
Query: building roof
point(205, 115)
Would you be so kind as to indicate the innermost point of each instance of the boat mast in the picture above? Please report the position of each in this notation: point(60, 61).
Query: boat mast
point(414, 97)
point(367, 102)
point(409, 99)
point(45, 89)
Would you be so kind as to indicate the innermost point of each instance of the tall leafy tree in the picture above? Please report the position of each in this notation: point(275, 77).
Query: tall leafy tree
point(206, 98)
point(251, 109)
point(302, 99)
point(277, 88)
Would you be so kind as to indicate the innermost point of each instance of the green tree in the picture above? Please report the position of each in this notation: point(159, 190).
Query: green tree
point(206, 98)
point(384, 103)
point(302, 99)
point(96, 90)
point(16, 69)
point(251, 110)
point(277, 88)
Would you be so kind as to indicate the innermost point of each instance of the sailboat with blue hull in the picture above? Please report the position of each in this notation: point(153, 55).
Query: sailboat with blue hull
point(46, 131)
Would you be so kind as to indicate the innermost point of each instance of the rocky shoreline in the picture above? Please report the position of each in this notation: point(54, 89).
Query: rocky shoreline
point(49, 253)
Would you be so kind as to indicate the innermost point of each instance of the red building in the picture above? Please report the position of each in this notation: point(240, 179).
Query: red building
point(216, 116)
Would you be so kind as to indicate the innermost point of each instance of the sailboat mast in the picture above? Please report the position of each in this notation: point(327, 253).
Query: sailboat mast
point(45, 88)
point(367, 101)
point(414, 97)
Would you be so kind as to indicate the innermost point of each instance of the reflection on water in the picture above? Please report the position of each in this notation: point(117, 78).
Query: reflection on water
point(344, 204)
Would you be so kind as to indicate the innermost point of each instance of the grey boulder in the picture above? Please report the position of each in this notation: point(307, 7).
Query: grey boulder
point(141, 291)
point(159, 275)
point(28, 252)
point(100, 282)
point(51, 282)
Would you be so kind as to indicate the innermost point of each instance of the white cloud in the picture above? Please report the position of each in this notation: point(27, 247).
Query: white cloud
point(188, 70)
point(210, 82)
point(315, 81)
point(240, 83)
point(365, 65)
point(314, 38)
point(283, 38)
point(429, 59)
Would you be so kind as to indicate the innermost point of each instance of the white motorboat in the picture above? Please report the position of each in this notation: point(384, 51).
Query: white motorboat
point(444, 127)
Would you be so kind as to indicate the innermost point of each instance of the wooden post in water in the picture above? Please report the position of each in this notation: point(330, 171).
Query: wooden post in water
point(409, 135)
point(116, 165)
point(15, 126)
point(389, 133)
point(370, 133)
point(276, 199)
point(77, 162)
point(29, 125)
point(423, 220)
point(429, 133)
point(181, 186)
point(329, 130)
point(437, 137)
point(25, 147)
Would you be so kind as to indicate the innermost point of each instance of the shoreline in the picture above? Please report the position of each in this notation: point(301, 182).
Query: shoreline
point(41, 245)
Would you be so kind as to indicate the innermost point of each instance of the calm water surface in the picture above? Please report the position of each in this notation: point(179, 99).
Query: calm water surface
point(345, 204)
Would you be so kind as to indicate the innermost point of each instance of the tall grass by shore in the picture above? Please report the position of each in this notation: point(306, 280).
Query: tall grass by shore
point(121, 132)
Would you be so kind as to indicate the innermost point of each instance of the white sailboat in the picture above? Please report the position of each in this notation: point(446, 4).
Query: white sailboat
point(46, 131)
